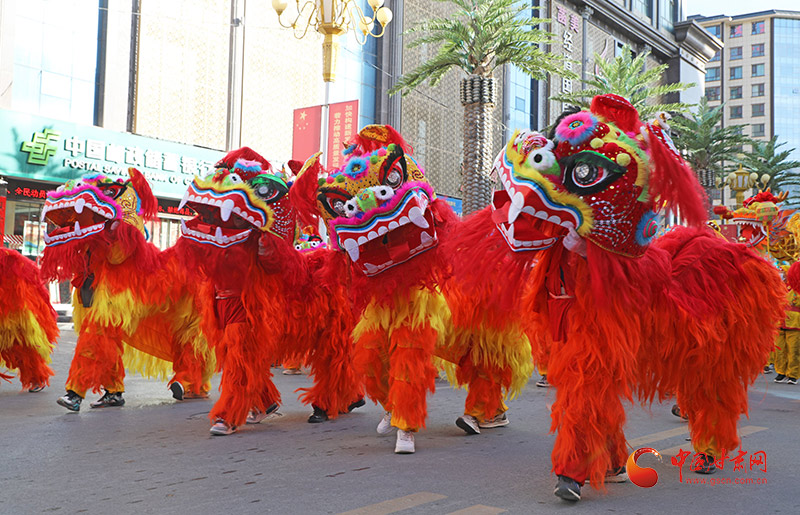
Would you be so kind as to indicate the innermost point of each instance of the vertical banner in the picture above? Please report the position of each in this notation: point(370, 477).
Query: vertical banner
point(306, 132)
point(2, 219)
point(342, 125)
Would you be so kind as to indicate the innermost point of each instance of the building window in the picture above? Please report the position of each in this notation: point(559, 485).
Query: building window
point(758, 109)
point(667, 14)
point(736, 53)
point(758, 130)
point(757, 70)
point(712, 74)
point(736, 72)
point(643, 7)
point(758, 50)
point(736, 92)
point(758, 27)
point(716, 57)
point(758, 90)
point(736, 31)
point(715, 30)
point(712, 93)
point(736, 111)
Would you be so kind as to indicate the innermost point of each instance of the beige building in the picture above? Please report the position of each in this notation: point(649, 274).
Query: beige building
point(756, 74)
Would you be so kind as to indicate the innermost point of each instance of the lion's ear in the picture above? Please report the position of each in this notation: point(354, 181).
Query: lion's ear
point(148, 205)
point(303, 193)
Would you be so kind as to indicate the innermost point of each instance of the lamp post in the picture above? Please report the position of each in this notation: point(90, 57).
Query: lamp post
point(740, 181)
point(332, 18)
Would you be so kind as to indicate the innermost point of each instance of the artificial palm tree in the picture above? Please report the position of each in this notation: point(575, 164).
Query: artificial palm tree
point(628, 77)
point(765, 159)
point(478, 37)
point(709, 148)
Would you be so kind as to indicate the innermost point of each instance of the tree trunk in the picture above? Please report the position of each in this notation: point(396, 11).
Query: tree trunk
point(477, 97)
point(707, 181)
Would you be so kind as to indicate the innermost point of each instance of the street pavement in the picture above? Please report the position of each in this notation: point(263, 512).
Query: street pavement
point(155, 455)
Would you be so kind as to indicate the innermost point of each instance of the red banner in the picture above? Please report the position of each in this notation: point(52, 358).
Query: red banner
point(305, 137)
point(342, 125)
point(2, 218)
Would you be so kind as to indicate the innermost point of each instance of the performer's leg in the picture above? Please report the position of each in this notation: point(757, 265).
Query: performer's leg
point(793, 355)
point(33, 369)
point(411, 375)
point(246, 378)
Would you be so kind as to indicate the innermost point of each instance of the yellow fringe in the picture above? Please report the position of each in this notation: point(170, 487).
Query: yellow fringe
point(146, 364)
point(425, 308)
point(23, 327)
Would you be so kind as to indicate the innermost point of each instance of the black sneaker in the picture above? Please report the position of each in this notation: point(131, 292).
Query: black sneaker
point(676, 410)
point(71, 401)
point(780, 378)
point(707, 465)
point(357, 404)
point(568, 489)
point(109, 400)
point(791, 380)
point(542, 383)
point(318, 416)
point(177, 391)
point(768, 369)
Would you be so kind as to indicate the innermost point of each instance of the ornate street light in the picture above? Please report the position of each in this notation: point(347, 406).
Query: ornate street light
point(740, 181)
point(332, 18)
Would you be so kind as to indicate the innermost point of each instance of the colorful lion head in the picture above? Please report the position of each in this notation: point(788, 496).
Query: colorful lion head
point(602, 173)
point(377, 206)
point(764, 227)
point(308, 239)
point(83, 208)
point(244, 197)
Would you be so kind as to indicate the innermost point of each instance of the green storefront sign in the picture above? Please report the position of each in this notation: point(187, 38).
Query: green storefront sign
point(43, 149)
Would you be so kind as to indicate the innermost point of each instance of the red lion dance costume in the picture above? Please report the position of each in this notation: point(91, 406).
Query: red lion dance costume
point(134, 306)
point(28, 330)
point(259, 304)
point(383, 215)
point(622, 315)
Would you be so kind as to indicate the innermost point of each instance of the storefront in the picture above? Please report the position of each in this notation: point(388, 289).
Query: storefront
point(39, 154)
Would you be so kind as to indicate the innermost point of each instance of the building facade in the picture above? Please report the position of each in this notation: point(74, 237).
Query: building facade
point(212, 75)
point(755, 75)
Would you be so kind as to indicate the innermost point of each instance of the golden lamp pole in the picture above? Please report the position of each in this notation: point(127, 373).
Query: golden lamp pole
point(740, 181)
point(332, 18)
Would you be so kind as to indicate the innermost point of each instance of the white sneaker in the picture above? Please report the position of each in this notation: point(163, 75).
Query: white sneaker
point(385, 425)
point(469, 424)
point(221, 428)
point(405, 442)
point(255, 416)
point(498, 421)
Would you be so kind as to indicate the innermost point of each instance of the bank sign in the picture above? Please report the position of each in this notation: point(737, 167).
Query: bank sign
point(50, 150)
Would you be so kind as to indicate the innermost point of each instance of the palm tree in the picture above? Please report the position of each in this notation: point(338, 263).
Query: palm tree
point(765, 159)
point(708, 147)
point(478, 37)
point(628, 77)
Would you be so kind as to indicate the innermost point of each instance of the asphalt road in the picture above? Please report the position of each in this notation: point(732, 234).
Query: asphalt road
point(155, 455)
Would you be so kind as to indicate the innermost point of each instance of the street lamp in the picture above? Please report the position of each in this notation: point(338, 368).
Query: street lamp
point(332, 18)
point(740, 181)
